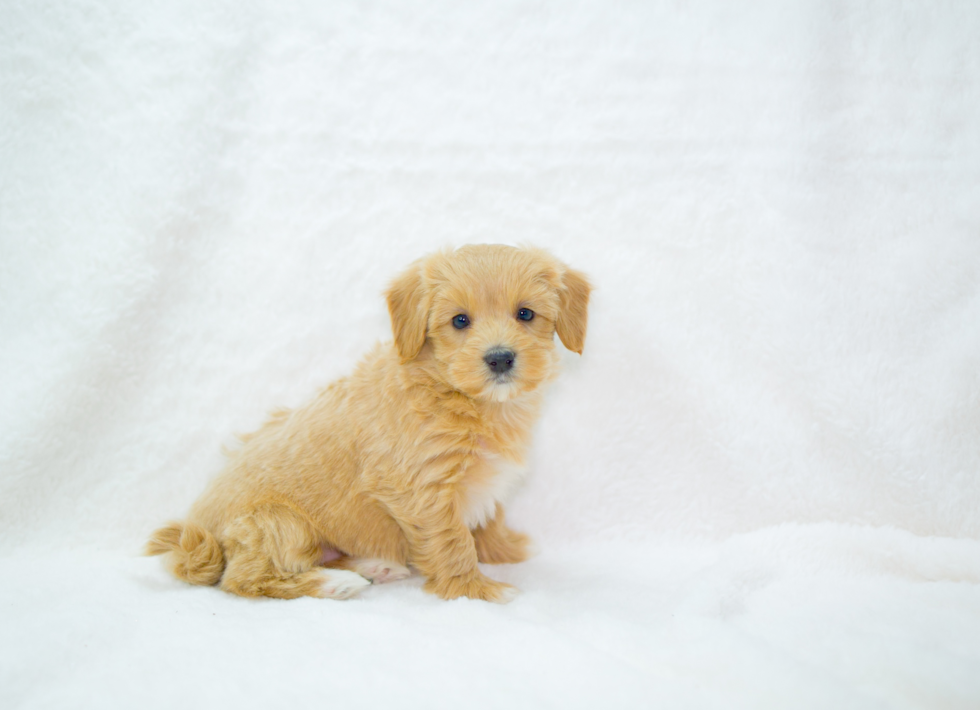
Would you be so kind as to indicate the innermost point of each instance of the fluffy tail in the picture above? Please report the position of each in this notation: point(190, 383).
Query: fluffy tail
point(195, 557)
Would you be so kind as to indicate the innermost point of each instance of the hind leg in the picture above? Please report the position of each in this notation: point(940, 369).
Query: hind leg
point(273, 551)
point(498, 544)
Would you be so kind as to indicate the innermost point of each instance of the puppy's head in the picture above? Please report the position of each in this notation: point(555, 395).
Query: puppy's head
point(487, 315)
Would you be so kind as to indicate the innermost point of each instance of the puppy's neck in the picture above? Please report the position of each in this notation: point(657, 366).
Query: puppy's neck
point(509, 425)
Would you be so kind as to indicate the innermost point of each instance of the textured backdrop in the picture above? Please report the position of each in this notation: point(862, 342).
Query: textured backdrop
point(759, 485)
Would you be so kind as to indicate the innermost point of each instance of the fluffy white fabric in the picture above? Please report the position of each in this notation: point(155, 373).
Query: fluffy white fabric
point(757, 488)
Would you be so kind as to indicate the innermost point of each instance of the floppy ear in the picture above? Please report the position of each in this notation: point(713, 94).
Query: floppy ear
point(574, 314)
point(409, 308)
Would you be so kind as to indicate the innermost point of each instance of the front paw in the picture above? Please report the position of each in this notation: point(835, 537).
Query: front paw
point(476, 586)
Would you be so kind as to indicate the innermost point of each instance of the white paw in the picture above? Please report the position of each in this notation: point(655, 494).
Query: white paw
point(342, 584)
point(380, 571)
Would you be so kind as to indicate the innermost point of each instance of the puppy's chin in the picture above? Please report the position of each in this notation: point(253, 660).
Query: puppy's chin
point(508, 389)
point(502, 391)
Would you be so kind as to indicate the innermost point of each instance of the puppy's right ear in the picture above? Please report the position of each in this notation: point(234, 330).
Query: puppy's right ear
point(409, 309)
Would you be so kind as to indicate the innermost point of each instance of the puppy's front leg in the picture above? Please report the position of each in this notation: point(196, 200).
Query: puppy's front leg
point(443, 550)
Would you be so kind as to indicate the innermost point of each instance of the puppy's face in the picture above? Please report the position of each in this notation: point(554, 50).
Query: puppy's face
point(488, 315)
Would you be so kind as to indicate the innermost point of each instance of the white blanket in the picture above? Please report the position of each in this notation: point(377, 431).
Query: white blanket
point(758, 487)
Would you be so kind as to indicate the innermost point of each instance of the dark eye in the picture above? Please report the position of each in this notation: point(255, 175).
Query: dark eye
point(525, 314)
point(461, 321)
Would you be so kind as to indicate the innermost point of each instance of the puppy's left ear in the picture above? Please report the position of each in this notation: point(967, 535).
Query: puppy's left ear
point(408, 306)
point(574, 314)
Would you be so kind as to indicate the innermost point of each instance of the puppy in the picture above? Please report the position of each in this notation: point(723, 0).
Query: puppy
point(404, 463)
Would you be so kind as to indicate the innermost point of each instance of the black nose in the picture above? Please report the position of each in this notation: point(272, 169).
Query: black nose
point(500, 361)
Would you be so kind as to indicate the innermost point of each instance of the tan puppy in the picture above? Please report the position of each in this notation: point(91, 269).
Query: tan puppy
point(405, 462)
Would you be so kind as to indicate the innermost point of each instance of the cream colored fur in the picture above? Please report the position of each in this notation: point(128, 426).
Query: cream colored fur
point(405, 463)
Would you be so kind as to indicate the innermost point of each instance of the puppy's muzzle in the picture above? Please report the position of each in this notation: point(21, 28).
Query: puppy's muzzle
point(500, 361)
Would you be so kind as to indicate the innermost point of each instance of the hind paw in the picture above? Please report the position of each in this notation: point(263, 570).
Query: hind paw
point(341, 584)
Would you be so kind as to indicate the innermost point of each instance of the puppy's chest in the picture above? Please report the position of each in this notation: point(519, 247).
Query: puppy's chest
point(492, 479)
